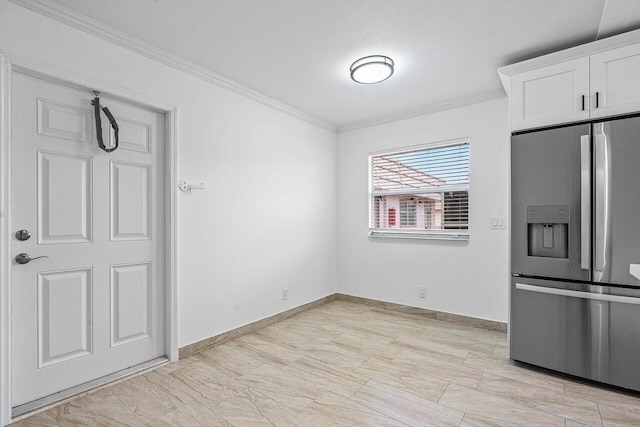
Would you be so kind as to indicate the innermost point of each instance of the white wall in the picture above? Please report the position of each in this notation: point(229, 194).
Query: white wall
point(268, 218)
point(468, 278)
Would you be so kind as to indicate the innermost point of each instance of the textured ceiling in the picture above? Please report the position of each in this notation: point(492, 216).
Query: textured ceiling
point(299, 51)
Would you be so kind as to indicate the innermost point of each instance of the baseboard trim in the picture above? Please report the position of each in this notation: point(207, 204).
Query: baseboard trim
point(431, 314)
point(207, 343)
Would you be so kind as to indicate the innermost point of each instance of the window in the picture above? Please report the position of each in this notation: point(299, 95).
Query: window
point(407, 212)
point(420, 191)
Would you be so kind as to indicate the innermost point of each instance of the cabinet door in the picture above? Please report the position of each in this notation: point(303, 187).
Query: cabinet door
point(551, 95)
point(615, 78)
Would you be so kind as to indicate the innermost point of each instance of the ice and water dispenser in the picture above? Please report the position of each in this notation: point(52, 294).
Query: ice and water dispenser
point(548, 231)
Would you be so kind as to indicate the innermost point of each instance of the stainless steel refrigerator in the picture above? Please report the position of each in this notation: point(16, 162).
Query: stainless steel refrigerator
point(575, 250)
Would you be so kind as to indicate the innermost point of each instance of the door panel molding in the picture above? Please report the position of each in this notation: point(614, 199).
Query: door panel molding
point(130, 181)
point(132, 135)
point(10, 63)
point(54, 320)
point(60, 179)
point(55, 119)
point(128, 283)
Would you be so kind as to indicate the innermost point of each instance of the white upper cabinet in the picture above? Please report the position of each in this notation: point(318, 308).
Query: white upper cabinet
point(552, 94)
point(586, 82)
point(615, 81)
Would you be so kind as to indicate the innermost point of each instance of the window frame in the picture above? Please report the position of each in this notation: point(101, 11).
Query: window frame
point(448, 234)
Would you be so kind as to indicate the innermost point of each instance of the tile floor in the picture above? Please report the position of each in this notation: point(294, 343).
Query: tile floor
point(350, 365)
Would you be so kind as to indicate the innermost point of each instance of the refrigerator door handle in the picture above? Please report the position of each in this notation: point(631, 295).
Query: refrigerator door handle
point(602, 196)
point(585, 202)
point(578, 294)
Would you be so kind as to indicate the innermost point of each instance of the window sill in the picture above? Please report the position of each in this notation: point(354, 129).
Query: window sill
point(422, 235)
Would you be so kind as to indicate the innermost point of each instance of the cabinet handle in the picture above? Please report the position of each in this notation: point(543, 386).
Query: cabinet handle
point(582, 102)
point(597, 99)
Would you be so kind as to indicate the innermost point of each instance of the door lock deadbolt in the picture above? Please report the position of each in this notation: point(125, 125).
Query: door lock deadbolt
point(23, 235)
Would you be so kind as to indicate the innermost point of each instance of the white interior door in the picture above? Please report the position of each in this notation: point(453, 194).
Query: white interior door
point(95, 306)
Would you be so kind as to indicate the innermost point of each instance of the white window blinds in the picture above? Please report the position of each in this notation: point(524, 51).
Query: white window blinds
point(420, 191)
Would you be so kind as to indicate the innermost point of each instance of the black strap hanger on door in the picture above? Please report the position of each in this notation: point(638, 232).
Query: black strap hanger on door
point(112, 120)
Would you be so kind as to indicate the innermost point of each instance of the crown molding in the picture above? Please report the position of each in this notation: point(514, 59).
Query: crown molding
point(449, 105)
point(74, 19)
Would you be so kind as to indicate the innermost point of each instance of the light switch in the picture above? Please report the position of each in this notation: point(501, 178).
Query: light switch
point(498, 222)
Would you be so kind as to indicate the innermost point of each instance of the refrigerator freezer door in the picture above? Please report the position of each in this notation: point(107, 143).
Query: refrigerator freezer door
point(616, 201)
point(576, 328)
point(548, 178)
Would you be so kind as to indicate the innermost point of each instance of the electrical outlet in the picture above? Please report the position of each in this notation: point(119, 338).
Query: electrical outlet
point(285, 294)
point(422, 292)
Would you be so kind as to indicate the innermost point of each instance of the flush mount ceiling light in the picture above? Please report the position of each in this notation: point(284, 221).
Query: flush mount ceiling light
point(372, 69)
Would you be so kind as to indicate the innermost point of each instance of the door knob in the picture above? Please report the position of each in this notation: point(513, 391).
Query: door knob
point(25, 258)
